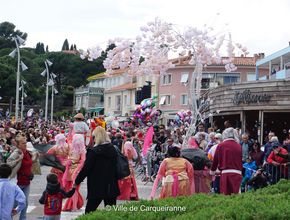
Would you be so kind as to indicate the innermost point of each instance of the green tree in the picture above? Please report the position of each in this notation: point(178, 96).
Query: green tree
point(65, 45)
point(46, 49)
point(75, 47)
point(39, 49)
point(7, 30)
point(71, 47)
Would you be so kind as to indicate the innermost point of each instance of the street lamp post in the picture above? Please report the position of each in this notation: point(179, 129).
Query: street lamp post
point(46, 97)
point(46, 71)
point(22, 105)
point(18, 41)
point(51, 113)
point(53, 91)
point(17, 80)
point(23, 95)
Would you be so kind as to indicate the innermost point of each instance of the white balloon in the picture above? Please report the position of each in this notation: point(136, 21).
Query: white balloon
point(115, 124)
point(30, 112)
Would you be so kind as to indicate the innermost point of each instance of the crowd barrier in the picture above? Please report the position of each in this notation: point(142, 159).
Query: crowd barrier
point(277, 172)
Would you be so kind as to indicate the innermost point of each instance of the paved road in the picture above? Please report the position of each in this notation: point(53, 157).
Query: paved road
point(35, 210)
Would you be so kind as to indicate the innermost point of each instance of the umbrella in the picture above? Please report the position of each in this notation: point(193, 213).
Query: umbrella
point(52, 161)
point(197, 157)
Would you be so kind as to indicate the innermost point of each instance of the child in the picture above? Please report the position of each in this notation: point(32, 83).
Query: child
point(250, 168)
point(52, 198)
point(9, 194)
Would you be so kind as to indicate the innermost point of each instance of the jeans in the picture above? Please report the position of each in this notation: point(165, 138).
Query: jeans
point(26, 190)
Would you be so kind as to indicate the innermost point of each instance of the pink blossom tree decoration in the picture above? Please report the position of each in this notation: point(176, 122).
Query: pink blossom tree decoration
point(149, 53)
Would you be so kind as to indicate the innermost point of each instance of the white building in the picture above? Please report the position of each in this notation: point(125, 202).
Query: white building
point(114, 94)
point(121, 100)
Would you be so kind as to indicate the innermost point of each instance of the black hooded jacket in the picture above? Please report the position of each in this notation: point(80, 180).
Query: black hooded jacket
point(100, 169)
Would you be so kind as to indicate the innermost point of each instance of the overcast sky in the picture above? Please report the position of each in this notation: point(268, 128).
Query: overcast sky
point(260, 25)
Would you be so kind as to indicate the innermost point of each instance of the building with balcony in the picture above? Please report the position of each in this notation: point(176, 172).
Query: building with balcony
point(114, 94)
point(91, 99)
point(174, 85)
point(122, 100)
point(278, 64)
point(259, 106)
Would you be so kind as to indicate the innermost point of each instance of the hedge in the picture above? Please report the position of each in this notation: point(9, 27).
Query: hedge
point(268, 203)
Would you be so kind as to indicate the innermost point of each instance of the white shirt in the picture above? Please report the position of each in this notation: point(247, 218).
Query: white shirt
point(81, 127)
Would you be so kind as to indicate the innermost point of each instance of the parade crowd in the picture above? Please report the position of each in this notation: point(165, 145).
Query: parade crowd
point(210, 162)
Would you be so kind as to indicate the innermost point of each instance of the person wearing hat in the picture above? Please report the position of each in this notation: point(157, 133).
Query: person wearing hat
point(277, 162)
point(274, 157)
point(80, 127)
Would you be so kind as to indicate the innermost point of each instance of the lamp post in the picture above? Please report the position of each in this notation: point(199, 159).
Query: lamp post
point(18, 41)
point(53, 91)
point(46, 71)
point(23, 95)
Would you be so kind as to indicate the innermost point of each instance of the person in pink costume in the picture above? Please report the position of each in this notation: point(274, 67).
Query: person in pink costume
point(75, 163)
point(70, 133)
point(61, 151)
point(128, 186)
point(177, 173)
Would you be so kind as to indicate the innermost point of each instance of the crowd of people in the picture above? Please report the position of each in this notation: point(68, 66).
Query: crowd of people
point(211, 162)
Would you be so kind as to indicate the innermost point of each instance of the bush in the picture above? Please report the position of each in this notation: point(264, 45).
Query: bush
point(268, 203)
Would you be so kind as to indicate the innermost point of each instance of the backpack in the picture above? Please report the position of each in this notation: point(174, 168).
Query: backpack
point(122, 166)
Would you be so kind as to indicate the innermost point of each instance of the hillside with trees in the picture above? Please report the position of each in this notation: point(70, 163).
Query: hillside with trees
point(71, 71)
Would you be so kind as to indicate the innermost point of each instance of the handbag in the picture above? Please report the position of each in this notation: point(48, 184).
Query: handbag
point(122, 166)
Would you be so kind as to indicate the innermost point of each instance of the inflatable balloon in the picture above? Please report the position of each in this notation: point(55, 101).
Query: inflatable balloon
point(183, 117)
point(145, 113)
point(115, 124)
point(30, 112)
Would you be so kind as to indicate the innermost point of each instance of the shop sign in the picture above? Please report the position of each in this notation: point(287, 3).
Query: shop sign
point(204, 106)
point(247, 97)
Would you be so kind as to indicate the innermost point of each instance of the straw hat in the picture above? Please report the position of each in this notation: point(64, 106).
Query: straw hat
point(79, 116)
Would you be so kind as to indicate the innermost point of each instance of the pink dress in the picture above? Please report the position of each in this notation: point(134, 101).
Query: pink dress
point(176, 175)
point(61, 154)
point(128, 186)
point(73, 167)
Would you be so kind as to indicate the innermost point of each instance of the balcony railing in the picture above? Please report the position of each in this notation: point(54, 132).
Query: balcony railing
point(90, 90)
point(282, 74)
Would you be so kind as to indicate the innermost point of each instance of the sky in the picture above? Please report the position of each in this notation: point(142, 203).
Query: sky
point(260, 25)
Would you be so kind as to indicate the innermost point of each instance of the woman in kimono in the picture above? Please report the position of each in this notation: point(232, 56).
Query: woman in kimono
point(61, 151)
point(177, 174)
point(128, 186)
point(75, 163)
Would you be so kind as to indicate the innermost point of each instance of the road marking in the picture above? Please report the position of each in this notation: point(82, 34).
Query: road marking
point(35, 195)
point(30, 208)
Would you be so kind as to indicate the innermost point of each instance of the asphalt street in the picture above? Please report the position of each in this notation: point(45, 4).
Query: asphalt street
point(35, 210)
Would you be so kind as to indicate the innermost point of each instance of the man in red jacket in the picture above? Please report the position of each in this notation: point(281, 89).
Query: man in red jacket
point(228, 159)
point(277, 163)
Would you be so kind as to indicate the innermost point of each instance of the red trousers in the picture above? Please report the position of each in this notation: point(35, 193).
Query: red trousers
point(230, 183)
